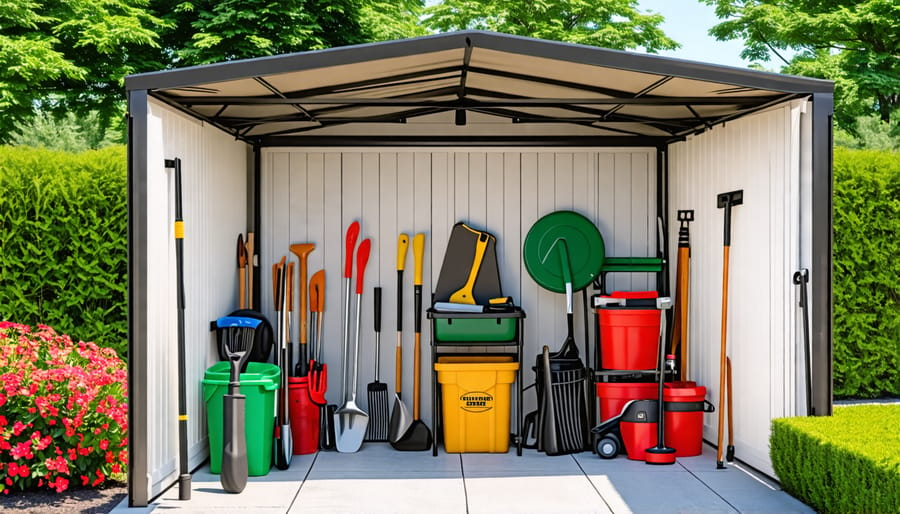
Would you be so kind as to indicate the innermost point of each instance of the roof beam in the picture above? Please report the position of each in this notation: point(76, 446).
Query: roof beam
point(533, 102)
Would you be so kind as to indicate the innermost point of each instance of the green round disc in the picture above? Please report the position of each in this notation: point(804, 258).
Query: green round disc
point(560, 233)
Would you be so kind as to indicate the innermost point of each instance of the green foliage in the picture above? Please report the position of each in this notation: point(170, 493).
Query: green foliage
point(848, 462)
point(870, 133)
point(63, 234)
point(855, 43)
point(76, 52)
point(866, 273)
point(208, 31)
point(386, 20)
point(606, 23)
point(71, 133)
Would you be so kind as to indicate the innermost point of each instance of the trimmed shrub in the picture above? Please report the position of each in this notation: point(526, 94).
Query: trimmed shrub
point(848, 462)
point(65, 411)
point(63, 234)
point(866, 274)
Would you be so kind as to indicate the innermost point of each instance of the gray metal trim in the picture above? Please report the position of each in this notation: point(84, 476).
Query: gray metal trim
point(480, 141)
point(299, 61)
point(138, 467)
point(645, 63)
point(583, 54)
point(822, 257)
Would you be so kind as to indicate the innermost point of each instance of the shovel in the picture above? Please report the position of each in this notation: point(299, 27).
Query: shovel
point(400, 417)
point(417, 437)
point(238, 335)
point(350, 421)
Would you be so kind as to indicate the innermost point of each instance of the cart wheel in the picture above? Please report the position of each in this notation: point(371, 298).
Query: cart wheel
point(608, 447)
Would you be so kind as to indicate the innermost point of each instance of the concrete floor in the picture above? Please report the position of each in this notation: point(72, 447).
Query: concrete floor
point(379, 479)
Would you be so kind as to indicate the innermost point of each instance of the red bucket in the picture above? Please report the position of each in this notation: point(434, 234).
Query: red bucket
point(614, 395)
point(685, 403)
point(304, 416)
point(638, 427)
point(628, 337)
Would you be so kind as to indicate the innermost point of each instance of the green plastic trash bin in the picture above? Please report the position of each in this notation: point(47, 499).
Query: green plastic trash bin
point(259, 385)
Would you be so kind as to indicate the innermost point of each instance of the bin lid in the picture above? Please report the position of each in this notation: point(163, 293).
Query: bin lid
point(687, 391)
point(582, 241)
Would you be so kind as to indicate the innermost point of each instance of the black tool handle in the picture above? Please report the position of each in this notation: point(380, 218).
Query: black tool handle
point(377, 309)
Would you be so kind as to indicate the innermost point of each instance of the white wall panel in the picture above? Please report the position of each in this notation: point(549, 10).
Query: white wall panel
point(759, 154)
point(214, 184)
point(503, 191)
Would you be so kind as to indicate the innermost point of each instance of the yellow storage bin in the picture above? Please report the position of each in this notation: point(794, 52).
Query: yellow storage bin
point(475, 396)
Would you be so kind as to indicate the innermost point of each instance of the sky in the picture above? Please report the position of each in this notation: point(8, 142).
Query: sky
point(688, 22)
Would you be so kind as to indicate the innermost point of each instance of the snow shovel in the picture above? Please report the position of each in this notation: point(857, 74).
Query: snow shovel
point(418, 436)
point(400, 416)
point(350, 421)
point(237, 334)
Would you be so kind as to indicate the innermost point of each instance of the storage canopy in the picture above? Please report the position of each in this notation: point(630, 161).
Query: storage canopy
point(509, 87)
point(496, 130)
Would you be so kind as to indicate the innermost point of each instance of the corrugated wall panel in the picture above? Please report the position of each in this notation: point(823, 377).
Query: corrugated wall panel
point(391, 191)
point(214, 184)
point(759, 154)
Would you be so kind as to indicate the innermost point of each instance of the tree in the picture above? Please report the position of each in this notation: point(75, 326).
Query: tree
point(208, 31)
point(855, 43)
point(385, 20)
point(606, 23)
point(67, 55)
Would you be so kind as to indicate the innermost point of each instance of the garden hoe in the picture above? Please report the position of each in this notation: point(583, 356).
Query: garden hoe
point(350, 421)
point(400, 416)
point(725, 201)
point(238, 334)
point(184, 477)
point(417, 436)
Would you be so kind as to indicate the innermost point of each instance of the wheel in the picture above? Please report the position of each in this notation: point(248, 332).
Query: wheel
point(608, 447)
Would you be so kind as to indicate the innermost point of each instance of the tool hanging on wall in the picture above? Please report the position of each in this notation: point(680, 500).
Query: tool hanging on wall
point(679, 346)
point(184, 477)
point(801, 278)
point(418, 436)
point(251, 263)
point(350, 421)
point(283, 447)
point(302, 252)
point(725, 201)
point(400, 416)
point(378, 393)
point(242, 272)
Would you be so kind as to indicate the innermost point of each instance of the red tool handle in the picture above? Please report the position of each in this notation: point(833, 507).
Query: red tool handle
point(362, 257)
point(352, 234)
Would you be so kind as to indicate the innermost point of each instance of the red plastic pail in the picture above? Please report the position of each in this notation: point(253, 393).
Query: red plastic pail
point(685, 403)
point(614, 395)
point(304, 416)
point(628, 337)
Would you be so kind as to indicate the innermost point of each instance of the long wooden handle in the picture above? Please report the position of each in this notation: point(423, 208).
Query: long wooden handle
point(722, 359)
point(398, 365)
point(250, 249)
point(242, 293)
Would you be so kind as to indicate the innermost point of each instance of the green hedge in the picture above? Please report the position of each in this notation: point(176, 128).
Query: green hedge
point(63, 235)
point(848, 462)
point(866, 273)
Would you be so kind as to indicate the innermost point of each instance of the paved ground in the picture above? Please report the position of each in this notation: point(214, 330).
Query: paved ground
point(379, 479)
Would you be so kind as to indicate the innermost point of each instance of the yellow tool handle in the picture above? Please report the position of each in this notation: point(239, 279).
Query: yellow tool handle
point(419, 254)
point(464, 294)
point(402, 247)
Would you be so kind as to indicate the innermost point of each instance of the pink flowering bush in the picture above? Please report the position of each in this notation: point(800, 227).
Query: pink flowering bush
point(63, 411)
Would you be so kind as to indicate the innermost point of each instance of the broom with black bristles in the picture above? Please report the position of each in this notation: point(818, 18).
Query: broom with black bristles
point(379, 412)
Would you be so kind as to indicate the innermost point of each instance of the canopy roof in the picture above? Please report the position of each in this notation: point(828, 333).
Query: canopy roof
point(469, 87)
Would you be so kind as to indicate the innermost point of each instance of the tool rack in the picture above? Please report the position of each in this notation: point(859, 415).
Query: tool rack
point(516, 340)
